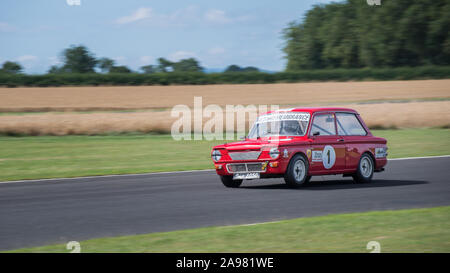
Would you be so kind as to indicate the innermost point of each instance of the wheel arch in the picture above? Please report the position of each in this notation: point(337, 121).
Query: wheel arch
point(301, 153)
point(371, 156)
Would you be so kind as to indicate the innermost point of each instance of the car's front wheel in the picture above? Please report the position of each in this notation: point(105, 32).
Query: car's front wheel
point(227, 181)
point(365, 169)
point(297, 172)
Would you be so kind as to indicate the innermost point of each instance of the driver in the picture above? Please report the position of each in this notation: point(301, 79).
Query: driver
point(290, 128)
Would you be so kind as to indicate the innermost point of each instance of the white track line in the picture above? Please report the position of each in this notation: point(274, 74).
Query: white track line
point(156, 173)
point(254, 224)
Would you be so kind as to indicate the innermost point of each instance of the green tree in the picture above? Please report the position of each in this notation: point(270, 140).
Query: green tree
point(120, 69)
point(150, 69)
point(105, 64)
point(78, 59)
point(187, 65)
point(164, 65)
point(11, 67)
point(351, 34)
point(250, 69)
point(54, 69)
point(236, 68)
point(233, 68)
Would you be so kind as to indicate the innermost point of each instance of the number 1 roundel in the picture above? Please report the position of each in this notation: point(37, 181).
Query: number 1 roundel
point(328, 157)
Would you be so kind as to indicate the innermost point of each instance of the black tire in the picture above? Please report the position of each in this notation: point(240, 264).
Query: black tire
point(363, 174)
point(308, 178)
point(290, 177)
point(227, 181)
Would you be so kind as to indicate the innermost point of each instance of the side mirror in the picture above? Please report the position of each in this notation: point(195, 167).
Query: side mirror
point(317, 133)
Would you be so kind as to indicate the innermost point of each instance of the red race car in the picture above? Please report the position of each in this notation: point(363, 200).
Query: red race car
point(299, 143)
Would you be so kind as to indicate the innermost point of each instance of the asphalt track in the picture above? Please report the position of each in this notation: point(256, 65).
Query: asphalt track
point(45, 212)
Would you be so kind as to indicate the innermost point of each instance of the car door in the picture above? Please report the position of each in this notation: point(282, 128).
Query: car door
point(327, 148)
point(350, 128)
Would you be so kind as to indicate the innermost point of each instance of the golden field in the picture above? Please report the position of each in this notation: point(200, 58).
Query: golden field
point(382, 104)
point(154, 97)
point(408, 115)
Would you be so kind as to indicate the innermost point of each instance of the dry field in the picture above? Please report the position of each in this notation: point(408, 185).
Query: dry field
point(151, 97)
point(386, 104)
point(406, 115)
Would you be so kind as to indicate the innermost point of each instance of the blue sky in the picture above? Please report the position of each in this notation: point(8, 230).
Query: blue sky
point(136, 33)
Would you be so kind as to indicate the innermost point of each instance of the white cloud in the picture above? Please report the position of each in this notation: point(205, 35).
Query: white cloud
point(27, 58)
point(138, 15)
point(216, 50)
point(217, 16)
point(244, 53)
point(178, 55)
point(146, 59)
point(181, 17)
point(220, 17)
point(5, 27)
point(27, 61)
point(120, 59)
point(54, 60)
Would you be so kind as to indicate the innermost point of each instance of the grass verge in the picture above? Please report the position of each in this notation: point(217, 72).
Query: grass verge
point(414, 230)
point(72, 156)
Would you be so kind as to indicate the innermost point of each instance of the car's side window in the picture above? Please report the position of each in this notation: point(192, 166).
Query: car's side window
point(323, 125)
point(349, 125)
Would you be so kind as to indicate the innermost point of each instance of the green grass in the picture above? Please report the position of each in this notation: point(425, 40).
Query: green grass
point(415, 230)
point(416, 142)
point(71, 156)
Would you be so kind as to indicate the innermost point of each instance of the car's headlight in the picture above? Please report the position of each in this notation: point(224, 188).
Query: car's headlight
point(274, 153)
point(216, 155)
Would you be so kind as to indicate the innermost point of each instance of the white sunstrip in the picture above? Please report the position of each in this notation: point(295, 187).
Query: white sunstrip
point(282, 116)
point(156, 173)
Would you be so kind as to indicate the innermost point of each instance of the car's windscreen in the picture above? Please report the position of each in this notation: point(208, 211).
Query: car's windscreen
point(280, 124)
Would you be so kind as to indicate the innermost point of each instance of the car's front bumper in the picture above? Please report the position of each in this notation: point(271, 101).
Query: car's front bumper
point(266, 167)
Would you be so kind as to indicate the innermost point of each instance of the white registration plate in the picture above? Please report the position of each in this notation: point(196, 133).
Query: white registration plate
point(246, 176)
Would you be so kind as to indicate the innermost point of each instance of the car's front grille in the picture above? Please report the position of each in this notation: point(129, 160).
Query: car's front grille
point(235, 168)
point(246, 167)
point(254, 167)
point(244, 155)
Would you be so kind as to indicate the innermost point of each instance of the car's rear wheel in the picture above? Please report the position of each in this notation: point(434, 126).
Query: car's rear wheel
point(227, 181)
point(297, 172)
point(365, 169)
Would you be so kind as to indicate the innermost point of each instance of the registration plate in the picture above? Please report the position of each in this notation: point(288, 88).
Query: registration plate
point(246, 176)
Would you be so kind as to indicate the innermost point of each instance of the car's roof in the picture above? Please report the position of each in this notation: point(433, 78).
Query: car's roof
point(315, 109)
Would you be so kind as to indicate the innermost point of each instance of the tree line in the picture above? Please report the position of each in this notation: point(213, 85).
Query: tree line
point(197, 78)
point(78, 59)
point(348, 40)
point(353, 34)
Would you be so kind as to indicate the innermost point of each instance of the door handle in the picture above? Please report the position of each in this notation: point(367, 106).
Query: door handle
point(341, 140)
